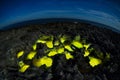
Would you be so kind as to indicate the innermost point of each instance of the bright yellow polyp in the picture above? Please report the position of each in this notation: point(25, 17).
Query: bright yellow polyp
point(40, 41)
point(19, 54)
point(52, 53)
point(60, 50)
point(68, 48)
point(86, 53)
point(34, 46)
point(94, 61)
point(68, 56)
point(86, 46)
point(24, 68)
point(21, 63)
point(49, 44)
point(77, 44)
point(31, 55)
point(56, 43)
point(43, 61)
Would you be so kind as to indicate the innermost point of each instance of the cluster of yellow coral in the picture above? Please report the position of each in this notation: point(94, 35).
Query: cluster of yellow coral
point(61, 46)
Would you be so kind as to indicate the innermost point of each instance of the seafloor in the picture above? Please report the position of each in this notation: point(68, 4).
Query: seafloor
point(78, 68)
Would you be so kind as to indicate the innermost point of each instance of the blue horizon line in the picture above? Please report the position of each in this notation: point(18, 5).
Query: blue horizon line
point(48, 20)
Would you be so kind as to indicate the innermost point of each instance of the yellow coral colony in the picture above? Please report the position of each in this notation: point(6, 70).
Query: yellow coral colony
point(68, 55)
point(86, 53)
point(68, 48)
point(56, 43)
point(31, 55)
point(43, 61)
point(34, 46)
point(49, 44)
point(86, 46)
point(52, 52)
point(19, 54)
point(24, 68)
point(60, 48)
point(63, 38)
point(94, 61)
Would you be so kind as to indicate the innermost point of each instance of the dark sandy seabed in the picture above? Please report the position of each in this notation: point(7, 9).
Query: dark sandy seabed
point(22, 38)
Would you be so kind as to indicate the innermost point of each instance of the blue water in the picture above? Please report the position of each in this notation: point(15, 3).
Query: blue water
point(106, 12)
